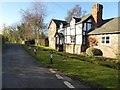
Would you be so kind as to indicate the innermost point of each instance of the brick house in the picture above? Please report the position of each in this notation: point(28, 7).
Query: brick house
point(88, 31)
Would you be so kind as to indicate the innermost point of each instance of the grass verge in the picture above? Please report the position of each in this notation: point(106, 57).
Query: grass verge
point(83, 68)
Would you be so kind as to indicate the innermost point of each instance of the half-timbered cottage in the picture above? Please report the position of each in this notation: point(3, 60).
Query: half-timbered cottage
point(88, 31)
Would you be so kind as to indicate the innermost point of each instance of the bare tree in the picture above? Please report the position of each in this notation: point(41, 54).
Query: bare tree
point(74, 12)
point(33, 20)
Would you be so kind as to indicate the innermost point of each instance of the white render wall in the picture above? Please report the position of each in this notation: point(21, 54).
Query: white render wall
point(72, 31)
point(79, 34)
point(79, 29)
point(79, 39)
point(67, 31)
point(67, 34)
point(67, 39)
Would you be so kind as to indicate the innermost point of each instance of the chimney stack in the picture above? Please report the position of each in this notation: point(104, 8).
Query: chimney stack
point(97, 14)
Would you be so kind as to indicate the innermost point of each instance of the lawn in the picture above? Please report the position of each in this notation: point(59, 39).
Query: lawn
point(87, 69)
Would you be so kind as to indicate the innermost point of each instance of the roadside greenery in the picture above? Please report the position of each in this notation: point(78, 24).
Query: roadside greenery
point(94, 71)
point(118, 56)
point(2, 39)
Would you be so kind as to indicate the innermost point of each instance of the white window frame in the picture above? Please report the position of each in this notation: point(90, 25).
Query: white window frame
point(105, 36)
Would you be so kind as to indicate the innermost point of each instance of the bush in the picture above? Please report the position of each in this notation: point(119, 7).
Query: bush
point(94, 52)
point(118, 56)
point(83, 54)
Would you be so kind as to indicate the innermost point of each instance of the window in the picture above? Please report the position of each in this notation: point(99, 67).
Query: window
point(105, 39)
point(89, 26)
point(72, 39)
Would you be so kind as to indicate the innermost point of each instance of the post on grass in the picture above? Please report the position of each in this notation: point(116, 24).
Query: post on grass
point(51, 56)
point(29, 47)
point(35, 51)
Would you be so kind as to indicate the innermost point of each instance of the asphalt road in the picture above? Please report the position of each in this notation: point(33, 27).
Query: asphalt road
point(20, 70)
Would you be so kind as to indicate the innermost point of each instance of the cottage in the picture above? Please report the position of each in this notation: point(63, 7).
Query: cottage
point(54, 27)
point(88, 31)
point(106, 38)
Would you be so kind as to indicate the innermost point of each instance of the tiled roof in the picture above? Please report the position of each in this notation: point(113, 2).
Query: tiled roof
point(83, 18)
point(80, 20)
point(58, 22)
point(77, 19)
point(109, 26)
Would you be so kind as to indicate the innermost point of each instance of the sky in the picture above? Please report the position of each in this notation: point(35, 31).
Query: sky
point(10, 12)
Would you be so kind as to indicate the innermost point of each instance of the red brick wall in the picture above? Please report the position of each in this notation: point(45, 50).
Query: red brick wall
point(97, 14)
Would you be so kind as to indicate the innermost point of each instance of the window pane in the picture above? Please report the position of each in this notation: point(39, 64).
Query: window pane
point(107, 42)
point(89, 26)
point(72, 39)
point(107, 39)
point(103, 40)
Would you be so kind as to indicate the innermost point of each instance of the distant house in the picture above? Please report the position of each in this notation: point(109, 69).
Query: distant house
point(54, 27)
point(88, 31)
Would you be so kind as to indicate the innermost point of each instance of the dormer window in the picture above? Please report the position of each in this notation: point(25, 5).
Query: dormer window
point(61, 26)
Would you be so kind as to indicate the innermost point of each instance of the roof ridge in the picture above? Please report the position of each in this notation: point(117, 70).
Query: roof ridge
point(110, 26)
point(59, 20)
